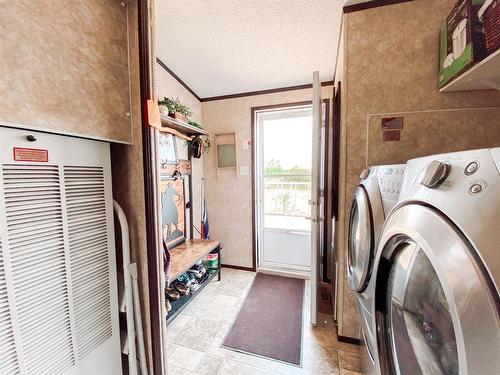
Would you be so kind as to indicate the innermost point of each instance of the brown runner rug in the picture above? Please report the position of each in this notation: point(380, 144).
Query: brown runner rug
point(269, 323)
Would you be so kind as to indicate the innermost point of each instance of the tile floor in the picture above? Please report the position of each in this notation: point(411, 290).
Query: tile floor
point(195, 337)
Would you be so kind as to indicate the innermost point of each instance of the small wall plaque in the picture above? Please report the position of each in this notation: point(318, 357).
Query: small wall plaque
point(392, 135)
point(392, 123)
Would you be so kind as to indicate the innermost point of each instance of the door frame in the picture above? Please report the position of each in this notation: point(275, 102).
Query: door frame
point(155, 347)
point(255, 150)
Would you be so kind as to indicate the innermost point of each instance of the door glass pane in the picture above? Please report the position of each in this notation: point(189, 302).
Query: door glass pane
point(287, 161)
point(419, 321)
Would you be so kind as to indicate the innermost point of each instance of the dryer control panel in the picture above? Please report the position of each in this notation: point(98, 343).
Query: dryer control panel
point(390, 178)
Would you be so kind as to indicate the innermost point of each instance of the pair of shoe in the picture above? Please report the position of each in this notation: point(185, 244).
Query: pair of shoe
point(181, 287)
point(171, 294)
point(186, 282)
point(195, 286)
point(197, 270)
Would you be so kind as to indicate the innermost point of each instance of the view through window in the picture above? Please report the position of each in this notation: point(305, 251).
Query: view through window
point(287, 160)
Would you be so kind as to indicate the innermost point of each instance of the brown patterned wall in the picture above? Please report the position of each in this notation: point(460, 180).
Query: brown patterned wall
point(64, 67)
point(391, 66)
point(427, 133)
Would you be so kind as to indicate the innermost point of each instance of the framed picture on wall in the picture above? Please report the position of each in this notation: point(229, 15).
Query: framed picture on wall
point(173, 210)
point(167, 149)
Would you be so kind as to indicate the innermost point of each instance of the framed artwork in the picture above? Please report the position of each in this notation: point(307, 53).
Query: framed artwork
point(173, 210)
point(167, 150)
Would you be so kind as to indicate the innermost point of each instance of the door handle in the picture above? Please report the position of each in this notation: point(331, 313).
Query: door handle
point(333, 233)
point(297, 233)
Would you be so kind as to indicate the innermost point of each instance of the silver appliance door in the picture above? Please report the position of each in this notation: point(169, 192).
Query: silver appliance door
point(436, 307)
point(360, 240)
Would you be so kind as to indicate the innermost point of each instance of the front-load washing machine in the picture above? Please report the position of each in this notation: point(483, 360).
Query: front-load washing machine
point(437, 269)
point(374, 197)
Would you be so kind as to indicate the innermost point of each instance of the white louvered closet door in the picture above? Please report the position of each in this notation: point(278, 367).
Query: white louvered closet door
point(58, 292)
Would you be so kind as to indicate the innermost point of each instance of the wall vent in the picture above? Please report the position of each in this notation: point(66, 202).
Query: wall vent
point(58, 294)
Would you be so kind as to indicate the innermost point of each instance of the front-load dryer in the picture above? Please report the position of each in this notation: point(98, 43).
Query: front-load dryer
point(437, 269)
point(374, 197)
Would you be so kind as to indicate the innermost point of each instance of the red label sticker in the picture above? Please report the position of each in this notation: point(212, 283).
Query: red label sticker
point(31, 154)
point(392, 123)
point(392, 135)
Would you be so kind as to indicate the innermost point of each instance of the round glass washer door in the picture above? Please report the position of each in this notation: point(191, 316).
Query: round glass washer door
point(436, 307)
point(360, 240)
point(422, 336)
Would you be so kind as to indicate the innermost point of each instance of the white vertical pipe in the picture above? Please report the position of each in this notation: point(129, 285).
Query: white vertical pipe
point(132, 358)
point(138, 318)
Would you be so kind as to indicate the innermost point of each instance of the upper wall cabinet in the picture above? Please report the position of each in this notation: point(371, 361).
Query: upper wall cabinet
point(64, 67)
point(470, 47)
point(483, 76)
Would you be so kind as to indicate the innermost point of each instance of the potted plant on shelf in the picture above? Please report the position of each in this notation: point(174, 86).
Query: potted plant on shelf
point(182, 111)
point(174, 108)
point(167, 106)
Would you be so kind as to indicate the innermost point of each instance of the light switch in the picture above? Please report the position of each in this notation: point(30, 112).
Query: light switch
point(244, 144)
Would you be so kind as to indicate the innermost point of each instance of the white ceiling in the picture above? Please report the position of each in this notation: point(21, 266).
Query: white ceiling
point(222, 47)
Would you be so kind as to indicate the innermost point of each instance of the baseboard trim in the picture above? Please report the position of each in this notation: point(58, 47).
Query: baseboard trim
point(284, 273)
point(348, 340)
point(241, 268)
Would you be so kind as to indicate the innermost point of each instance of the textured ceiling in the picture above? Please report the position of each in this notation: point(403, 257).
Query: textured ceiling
point(221, 47)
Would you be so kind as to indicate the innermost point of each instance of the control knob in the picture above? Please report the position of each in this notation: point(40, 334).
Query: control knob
point(435, 174)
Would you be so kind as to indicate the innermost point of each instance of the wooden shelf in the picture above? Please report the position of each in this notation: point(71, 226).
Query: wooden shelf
point(185, 255)
point(181, 126)
point(485, 75)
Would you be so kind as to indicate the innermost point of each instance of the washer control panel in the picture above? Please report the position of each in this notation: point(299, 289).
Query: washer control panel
point(469, 172)
point(390, 179)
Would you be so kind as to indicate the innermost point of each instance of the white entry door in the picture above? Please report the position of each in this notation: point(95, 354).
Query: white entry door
point(284, 160)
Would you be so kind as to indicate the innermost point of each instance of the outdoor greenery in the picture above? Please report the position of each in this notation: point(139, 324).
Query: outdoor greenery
point(297, 173)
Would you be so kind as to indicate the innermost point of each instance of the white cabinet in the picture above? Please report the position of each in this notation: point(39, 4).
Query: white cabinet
point(58, 292)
